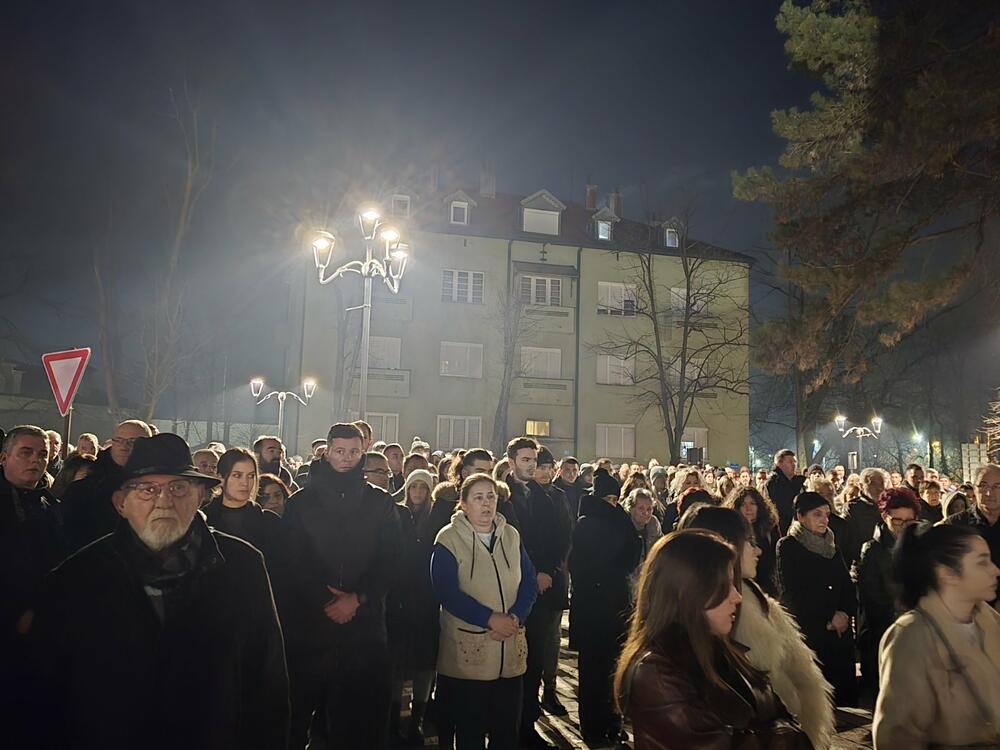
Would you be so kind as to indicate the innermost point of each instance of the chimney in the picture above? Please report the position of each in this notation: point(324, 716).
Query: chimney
point(615, 203)
point(591, 201)
point(488, 180)
point(433, 179)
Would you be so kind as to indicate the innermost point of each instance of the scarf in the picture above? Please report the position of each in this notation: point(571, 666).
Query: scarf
point(824, 546)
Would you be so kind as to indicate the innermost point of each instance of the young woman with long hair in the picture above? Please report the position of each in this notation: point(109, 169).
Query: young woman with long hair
point(235, 511)
point(939, 663)
point(776, 644)
point(762, 516)
point(680, 678)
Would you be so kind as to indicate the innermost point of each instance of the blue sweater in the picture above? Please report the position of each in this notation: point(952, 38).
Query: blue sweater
point(444, 578)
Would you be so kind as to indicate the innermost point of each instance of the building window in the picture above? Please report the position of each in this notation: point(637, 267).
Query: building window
point(383, 353)
point(679, 302)
point(613, 370)
point(695, 438)
point(541, 290)
point(541, 363)
point(458, 432)
point(385, 427)
point(461, 360)
point(671, 238)
point(459, 212)
point(616, 440)
point(541, 222)
point(616, 299)
point(462, 286)
point(400, 205)
point(538, 428)
point(604, 230)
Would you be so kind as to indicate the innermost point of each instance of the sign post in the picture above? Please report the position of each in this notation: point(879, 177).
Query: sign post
point(65, 371)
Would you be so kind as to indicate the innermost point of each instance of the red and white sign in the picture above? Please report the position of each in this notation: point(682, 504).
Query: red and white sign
point(65, 371)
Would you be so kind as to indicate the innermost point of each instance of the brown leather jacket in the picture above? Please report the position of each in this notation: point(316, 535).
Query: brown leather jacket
point(669, 712)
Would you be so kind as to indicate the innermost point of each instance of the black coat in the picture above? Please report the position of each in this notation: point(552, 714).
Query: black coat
point(862, 517)
point(343, 532)
point(546, 531)
point(86, 506)
point(606, 549)
point(782, 492)
point(813, 588)
point(876, 590)
point(210, 676)
point(421, 610)
point(573, 492)
point(932, 513)
point(251, 523)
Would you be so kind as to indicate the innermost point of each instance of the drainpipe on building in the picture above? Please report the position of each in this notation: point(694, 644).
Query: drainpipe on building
point(576, 384)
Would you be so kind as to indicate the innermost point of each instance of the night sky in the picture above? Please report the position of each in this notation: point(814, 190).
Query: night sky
point(662, 99)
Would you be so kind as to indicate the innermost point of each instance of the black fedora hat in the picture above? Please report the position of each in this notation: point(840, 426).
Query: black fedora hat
point(165, 453)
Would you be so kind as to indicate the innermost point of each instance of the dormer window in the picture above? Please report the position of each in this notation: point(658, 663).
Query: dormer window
point(400, 205)
point(459, 212)
point(604, 230)
point(671, 237)
point(540, 213)
point(604, 222)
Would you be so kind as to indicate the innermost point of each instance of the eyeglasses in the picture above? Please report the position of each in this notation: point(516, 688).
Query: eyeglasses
point(152, 490)
point(988, 489)
point(123, 441)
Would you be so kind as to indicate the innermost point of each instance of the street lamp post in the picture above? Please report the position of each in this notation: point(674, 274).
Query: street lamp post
point(390, 267)
point(860, 431)
point(308, 389)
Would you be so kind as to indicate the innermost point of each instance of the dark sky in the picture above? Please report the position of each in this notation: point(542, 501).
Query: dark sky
point(663, 99)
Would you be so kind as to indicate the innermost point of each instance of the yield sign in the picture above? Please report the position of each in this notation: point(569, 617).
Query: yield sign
point(65, 370)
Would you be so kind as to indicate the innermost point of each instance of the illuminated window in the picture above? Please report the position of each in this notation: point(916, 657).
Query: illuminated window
point(538, 428)
point(672, 238)
point(604, 230)
point(459, 212)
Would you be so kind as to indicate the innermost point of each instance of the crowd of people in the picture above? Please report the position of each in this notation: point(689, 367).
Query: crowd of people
point(238, 598)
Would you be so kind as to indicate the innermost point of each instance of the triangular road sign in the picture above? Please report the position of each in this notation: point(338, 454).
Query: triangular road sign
point(65, 371)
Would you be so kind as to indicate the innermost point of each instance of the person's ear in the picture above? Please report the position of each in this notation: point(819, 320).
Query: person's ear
point(118, 500)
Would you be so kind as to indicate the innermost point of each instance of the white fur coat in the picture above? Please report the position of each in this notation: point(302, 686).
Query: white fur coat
point(777, 647)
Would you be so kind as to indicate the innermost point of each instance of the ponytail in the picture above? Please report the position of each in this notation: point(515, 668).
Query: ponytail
point(920, 550)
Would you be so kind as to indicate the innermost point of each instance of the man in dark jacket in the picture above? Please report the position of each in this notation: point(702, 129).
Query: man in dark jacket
point(545, 533)
point(984, 516)
point(782, 487)
point(606, 549)
point(87, 510)
point(571, 485)
point(162, 634)
point(342, 539)
point(862, 515)
point(29, 548)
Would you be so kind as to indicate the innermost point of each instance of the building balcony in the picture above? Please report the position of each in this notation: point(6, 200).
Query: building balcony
point(392, 383)
point(551, 318)
point(548, 391)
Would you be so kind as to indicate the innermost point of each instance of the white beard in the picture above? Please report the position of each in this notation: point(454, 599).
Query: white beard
point(160, 534)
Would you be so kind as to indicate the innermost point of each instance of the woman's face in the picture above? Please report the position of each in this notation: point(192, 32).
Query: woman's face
point(86, 447)
point(722, 616)
point(692, 480)
point(710, 479)
point(272, 498)
point(898, 519)
point(748, 560)
point(241, 482)
point(642, 511)
point(978, 581)
point(749, 510)
point(817, 520)
point(480, 505)
point(418, 494)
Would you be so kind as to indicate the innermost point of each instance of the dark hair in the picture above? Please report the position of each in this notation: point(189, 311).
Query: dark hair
point(233, 456)
point(918, 553)
point(397, 446)
point(520, 443)
point(783, 453)
point(464, 461)
point(364, 428)
point(569, 460)
point(929, 484)
point(466, 487)
point(767, 514)
point(375, 454)
point(914, 466)
point(898, 497)
point(414, 457)
point(67, 474)
point(344, 431)
point(692, 496)
point(266, 479)
point(260, 441)
point(685, 573)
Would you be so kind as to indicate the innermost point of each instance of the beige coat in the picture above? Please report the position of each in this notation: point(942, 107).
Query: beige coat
point(778, 648)
point(466, 651)
point(924, 701)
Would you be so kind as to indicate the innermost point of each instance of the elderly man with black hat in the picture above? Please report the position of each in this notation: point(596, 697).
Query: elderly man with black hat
point(606, 549)
point(162, 634)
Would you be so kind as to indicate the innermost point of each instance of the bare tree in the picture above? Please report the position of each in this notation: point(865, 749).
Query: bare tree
point(689, 336)
point(516, 326)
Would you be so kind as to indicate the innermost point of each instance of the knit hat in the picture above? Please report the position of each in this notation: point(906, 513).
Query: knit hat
point(419, 475)
point(807, 501)
point(545, 457)
point(657, 471)
point(605, 484)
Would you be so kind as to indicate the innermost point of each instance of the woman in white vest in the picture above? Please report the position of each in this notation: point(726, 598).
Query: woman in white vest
point(486, 585)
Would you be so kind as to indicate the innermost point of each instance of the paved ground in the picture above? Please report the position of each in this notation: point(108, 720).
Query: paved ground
point(854, 725)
